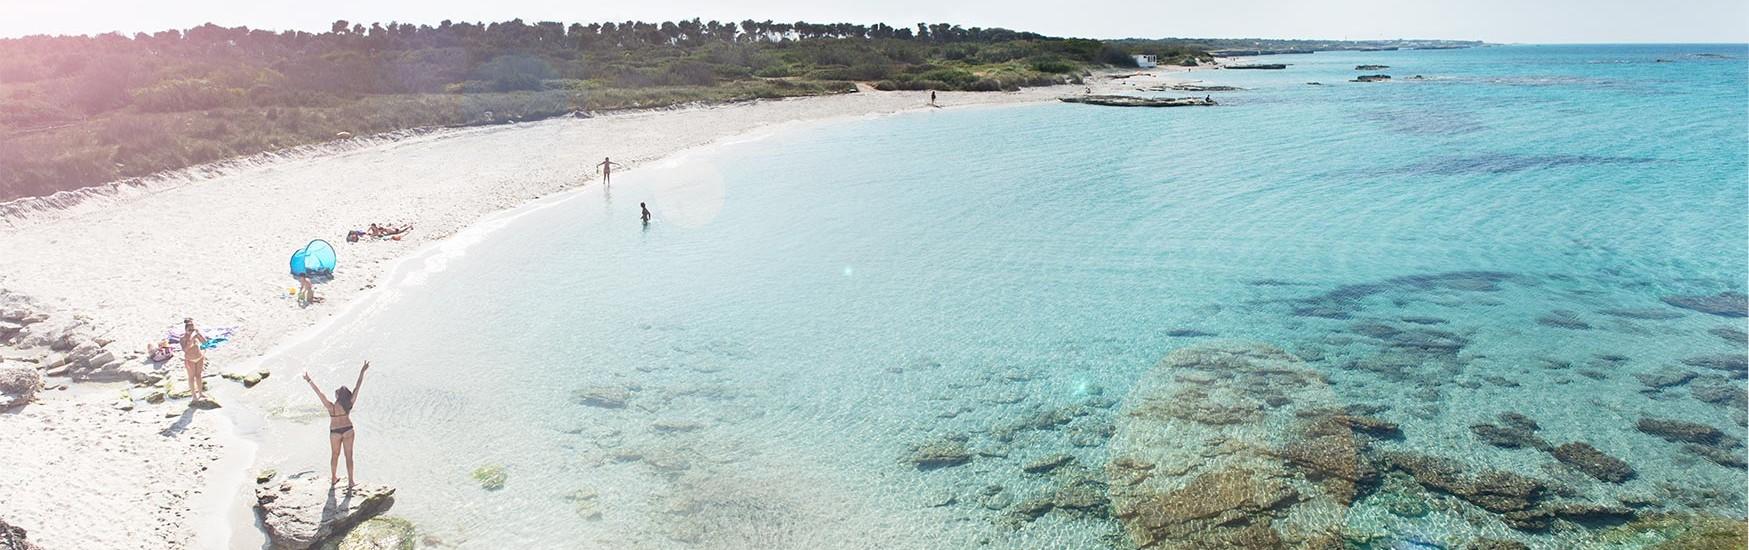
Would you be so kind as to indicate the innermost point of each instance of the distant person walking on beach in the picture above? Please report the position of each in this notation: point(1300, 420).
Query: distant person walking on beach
point(646, 215)
point(932, 99)
point(340, 434)
point(606, 169)
point(193, 359)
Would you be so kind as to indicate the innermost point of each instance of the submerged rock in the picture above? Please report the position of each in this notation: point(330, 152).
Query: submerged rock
point(1678, 431)
point(491, 477)
point(1719, 391)
point(1730, 334)
point(940, 453)
point(380, 533)
point(1495, 491)
point(607, 397)
point(1723, 304)
point(1508, 437)
point(1727, 457)
point(1495, 544)
point(302, 511)
point(1047, 463)
point(1200, 460)
point(1561, 318)
point(1665, 377)
point(1585, 458)
point(1735, 364)
point(1646, 314)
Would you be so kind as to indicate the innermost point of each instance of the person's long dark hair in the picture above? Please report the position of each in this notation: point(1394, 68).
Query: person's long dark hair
point(343, 396)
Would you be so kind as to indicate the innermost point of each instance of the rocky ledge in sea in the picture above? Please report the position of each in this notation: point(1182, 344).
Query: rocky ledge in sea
point(1236, 445)
point(1133, 101)
point(302, 511)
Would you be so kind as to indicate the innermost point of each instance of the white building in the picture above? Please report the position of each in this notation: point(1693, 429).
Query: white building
point(1146, 61)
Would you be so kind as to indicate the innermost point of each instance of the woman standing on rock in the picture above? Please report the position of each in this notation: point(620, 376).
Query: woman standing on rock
point(193, 359)
point(340, 432)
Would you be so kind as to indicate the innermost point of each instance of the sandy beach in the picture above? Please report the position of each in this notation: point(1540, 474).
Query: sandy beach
point(212, 243)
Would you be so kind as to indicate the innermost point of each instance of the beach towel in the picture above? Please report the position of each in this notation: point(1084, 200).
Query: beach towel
point(214, 335)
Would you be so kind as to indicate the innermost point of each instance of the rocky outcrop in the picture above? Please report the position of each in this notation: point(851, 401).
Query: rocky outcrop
point(1133, 101)
point(607, 397)
point(1234, 445)
point(1258, 66)
point(1372, 78)
point(1371, 67)
point(1734, 364)
point(13, 538)
point(18, 385)
point(1723, 304)
point(380, 533)
point(302, 511)
point(1495, 491)
point(1679, 431)
point(1585, 458)
point(940, 453)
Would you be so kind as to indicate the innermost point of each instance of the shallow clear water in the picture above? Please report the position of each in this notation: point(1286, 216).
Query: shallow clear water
point(811, 305)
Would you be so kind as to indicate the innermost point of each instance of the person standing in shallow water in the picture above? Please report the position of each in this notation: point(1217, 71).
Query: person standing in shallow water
point(646, 214)
point(606, 168)
point(340, 433)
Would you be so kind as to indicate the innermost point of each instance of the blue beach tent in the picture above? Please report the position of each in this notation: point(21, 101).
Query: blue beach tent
point(316, 258)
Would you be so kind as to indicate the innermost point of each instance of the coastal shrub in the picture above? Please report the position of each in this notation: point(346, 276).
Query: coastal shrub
point(955, 78)
point(185, 95)
point(1052, 64)
point(515, 72)
point(689, 72)
point(1117, 57)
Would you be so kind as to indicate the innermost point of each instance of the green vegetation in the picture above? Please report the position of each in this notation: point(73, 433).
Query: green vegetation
point(77, 111)
point(491, 477)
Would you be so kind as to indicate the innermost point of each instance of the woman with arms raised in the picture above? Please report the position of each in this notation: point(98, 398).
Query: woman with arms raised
point(340, 431)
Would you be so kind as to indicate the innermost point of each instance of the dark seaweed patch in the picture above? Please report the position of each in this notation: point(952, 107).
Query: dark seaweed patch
point(1504, 164)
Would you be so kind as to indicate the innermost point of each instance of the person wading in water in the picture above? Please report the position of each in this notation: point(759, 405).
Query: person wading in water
point(606, 168)
point(340, 432)
point(646, 215)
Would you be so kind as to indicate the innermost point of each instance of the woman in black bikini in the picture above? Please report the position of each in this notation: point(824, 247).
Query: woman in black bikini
point(340, 432)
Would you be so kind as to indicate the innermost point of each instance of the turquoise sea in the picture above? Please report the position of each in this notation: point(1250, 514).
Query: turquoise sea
point(1067, 326)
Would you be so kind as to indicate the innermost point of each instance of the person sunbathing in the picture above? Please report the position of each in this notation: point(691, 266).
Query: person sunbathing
point(380, 231)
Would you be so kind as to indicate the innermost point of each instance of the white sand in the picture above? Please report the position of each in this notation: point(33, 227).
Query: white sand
point(213, 243)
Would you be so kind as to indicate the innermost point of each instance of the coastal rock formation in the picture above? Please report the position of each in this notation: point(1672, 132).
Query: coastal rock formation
point(380, 533)
point(1734, 364)
point(607, 397)
point(1133, 101)
point(1495, 491)
point(1585, 458)
point(1258, 66)
point(1723, 304)
point(1678, 431)
point(1371, 78)
point(303, 512)
point(18, 385)
point(13, 538)
point(1730, 334)
point(1664, 378)
point(1561, 318)
point(1235, 445)
point(1371, 67)
point(940, 453)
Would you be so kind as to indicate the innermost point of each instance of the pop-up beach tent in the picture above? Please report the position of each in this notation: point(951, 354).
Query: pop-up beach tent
point(316, 258)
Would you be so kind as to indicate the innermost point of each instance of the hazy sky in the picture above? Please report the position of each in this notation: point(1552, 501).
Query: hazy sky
point(1544, 21)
